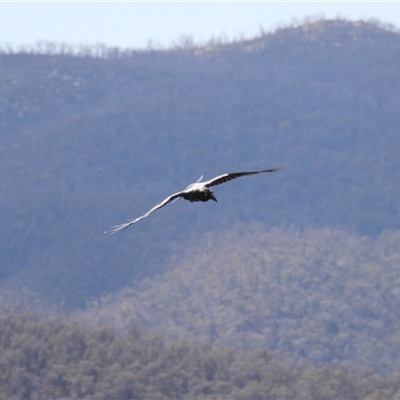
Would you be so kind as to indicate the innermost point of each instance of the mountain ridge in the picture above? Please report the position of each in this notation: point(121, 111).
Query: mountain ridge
point(89, 142)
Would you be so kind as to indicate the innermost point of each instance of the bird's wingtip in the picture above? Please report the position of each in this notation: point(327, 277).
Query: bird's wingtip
point(275, 169)
point(116, 229)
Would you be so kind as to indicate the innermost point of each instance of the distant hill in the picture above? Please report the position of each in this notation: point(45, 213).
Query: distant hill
point(88, 142)
point(320, 296)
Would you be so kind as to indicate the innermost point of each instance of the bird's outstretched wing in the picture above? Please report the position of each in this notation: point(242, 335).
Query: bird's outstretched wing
point(233, 175)
point(119, 228)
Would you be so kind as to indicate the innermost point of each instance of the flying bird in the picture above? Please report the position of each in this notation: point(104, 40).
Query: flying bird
point(198, 191)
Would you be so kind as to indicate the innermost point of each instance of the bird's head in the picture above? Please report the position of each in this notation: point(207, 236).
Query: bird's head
point(212, 197)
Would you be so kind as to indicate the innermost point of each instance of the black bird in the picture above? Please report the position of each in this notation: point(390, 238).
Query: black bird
point(198, 191)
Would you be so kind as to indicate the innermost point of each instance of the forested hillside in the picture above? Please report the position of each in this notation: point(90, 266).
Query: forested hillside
point(321, 296)
point(287, 272)
point(89, 141)
point(54, 359)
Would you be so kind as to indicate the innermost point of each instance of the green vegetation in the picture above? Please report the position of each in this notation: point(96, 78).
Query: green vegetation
point(53, 359)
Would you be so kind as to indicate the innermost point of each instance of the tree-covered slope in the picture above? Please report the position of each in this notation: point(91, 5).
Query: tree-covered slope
point(321, 296)
point(55, 359)
point(88, 142)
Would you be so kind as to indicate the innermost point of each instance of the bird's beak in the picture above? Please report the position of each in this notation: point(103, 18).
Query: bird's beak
point(212, 197)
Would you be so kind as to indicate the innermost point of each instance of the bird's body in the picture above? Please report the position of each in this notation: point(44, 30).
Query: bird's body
point(198, 191)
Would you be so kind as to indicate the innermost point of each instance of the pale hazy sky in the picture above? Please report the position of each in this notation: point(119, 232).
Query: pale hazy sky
point(133, 24)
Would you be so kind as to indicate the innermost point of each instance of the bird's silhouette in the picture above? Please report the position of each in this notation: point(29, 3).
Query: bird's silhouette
point(198, 191)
